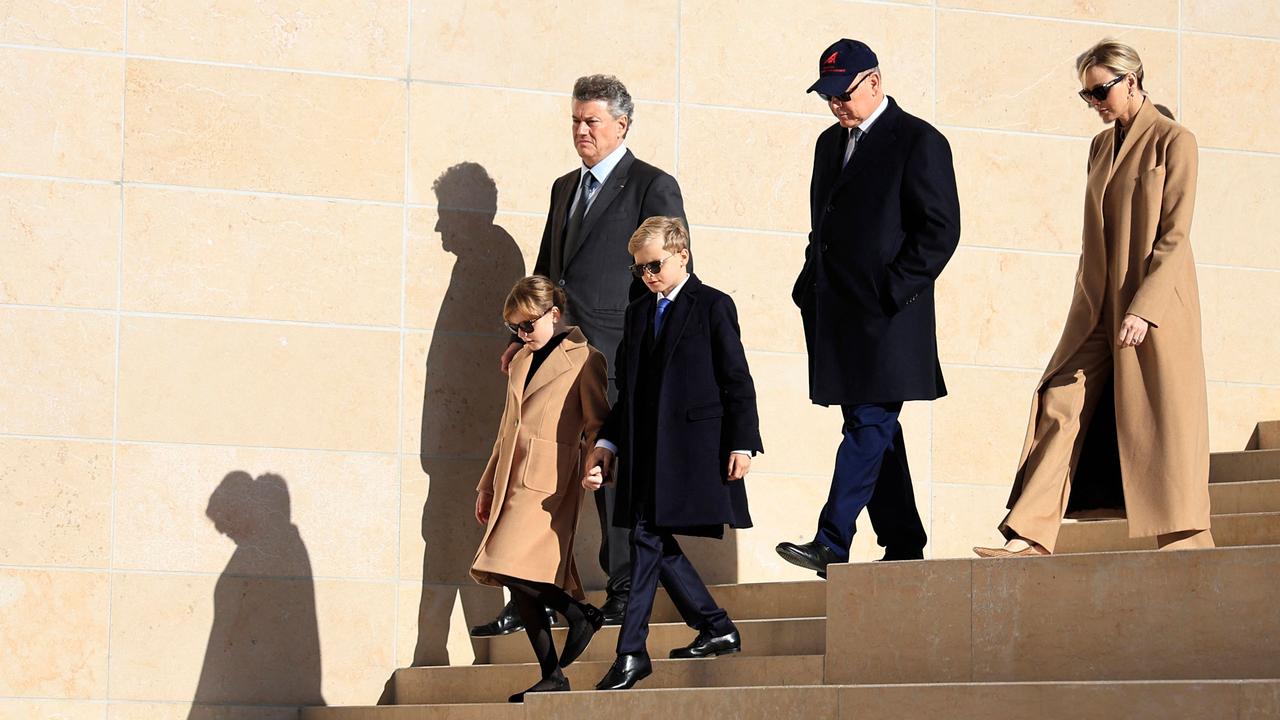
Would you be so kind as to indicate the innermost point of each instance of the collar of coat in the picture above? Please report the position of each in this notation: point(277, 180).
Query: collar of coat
point(569, 354)
point(608, 192)
point(673, 322)
point(1142, 123)
point(879, 138)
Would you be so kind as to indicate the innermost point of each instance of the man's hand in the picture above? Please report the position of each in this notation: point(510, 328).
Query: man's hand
point(598, 465)
point(1132, 331)
point(484, 501)
point(505, 362)
point(739, 465)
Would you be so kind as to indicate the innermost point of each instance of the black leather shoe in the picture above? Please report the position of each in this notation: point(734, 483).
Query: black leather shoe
point(507, 622)
point(580, 634)
point(811, 555)
point(547, 684)
point(893, 554)
point(613, 609)
point(627, 670)
point(708, 645)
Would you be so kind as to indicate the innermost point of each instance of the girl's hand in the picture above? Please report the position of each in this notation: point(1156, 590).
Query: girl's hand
point(484, 502)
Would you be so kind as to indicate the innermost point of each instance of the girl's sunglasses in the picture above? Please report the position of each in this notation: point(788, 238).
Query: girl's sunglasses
point(525, 327)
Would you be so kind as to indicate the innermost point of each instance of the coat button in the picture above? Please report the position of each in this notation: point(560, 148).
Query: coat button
point(824, 247)
point(831, 208)
point(562, 283)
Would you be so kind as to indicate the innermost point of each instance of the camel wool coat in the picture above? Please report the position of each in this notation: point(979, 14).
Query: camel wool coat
point(1136, 258)
point(535, 471)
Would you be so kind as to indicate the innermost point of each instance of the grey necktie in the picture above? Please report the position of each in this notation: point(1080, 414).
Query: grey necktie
point(572, 235)
point(855, 134)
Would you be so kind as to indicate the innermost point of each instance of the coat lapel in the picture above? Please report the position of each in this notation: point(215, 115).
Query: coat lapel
point(558, 363)
point(517, 372)
point(873, 145)
point(677, 317)
point(561, 198)
point(1142, 124)
point(607, 194)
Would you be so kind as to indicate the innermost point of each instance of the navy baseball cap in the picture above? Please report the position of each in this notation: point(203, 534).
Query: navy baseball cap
point(840, 64)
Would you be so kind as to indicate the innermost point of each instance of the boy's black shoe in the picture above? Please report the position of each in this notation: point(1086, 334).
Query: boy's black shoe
point(708, 645)
point(627, 670)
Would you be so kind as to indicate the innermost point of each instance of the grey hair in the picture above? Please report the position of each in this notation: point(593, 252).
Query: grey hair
point(609, 89)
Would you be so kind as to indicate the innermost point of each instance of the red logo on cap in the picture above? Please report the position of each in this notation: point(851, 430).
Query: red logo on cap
point(831, 59)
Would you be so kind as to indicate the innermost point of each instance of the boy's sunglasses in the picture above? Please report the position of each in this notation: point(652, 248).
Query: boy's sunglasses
point(1100, 92)
point(653, 268)
point(845, 96)
point(525, 327)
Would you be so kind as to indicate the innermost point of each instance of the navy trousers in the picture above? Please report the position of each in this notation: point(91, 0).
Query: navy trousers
point(871, 470)
point(657, 557)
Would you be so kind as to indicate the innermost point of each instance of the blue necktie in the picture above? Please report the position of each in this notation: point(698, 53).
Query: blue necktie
point(662, 310)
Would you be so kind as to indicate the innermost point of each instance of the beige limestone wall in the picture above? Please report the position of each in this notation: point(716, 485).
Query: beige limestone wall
point(253, 253)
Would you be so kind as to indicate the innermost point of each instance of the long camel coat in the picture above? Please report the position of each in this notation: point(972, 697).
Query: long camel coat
point(535, 470)
point(1136, 258)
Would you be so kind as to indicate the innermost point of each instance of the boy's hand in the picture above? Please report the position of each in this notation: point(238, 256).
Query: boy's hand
point(598, 465)
point(484, 501)
point(739, 465)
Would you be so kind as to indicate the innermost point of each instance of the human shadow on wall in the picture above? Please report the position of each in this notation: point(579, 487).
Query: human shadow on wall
point(462, 402)
point(264, 645)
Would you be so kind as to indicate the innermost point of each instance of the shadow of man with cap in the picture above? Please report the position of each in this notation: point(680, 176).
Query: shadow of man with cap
point(885, 219)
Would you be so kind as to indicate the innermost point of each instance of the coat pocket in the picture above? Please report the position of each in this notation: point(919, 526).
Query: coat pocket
point(706, 412)
point(547, 463)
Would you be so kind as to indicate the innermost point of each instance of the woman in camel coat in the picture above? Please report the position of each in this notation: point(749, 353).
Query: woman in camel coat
point(529, 495)
point(1119, 420)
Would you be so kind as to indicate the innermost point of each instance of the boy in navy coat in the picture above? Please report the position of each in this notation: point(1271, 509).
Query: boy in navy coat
point(684, 429)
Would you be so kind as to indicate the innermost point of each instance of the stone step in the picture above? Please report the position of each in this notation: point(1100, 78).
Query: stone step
point(474, 711)
point(784, 636)
point(749, 601)
point(1244, 465)
point(1266, 436)
point(1186, 700)
point(1190, 615)
point(1245, 497)
point(493, 683)
point(1231, 530)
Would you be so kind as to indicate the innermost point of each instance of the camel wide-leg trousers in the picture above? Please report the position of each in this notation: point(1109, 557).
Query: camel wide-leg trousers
point(1067, 404)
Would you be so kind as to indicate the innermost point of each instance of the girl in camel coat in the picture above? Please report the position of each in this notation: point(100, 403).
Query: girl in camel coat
point(529, 495)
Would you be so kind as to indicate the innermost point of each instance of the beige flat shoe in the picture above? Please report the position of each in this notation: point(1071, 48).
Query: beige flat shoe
point(1028, 551)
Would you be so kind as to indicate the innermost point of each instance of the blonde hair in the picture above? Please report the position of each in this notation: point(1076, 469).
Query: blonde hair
point(670, 230)
point(533, 297)
point(1113, 55)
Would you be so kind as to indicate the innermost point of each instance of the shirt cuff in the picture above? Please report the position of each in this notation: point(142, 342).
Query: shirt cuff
point(748, 453)
point(602, 443)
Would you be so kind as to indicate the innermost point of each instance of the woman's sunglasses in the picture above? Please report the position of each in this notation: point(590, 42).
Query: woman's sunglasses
point(525, 327)
point(1100, 92)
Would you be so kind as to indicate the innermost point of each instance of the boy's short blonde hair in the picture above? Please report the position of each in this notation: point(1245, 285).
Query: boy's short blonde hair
point(670, 230)
point(533, 297)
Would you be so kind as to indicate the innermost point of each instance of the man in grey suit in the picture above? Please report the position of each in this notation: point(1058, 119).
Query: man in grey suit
point(594, 209)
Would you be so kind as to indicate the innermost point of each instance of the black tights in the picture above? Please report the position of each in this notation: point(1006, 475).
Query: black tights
point(530, 598)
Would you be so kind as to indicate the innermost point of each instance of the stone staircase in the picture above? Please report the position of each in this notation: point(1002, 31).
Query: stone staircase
point(1088, 633)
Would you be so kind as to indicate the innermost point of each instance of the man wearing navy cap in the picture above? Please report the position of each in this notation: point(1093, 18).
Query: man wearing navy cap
point(885, 220)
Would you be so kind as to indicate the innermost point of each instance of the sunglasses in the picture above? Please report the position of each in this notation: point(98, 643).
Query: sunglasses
point(847, 95)
point(653, 268)
point(1100, 92)
point(525, 327)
